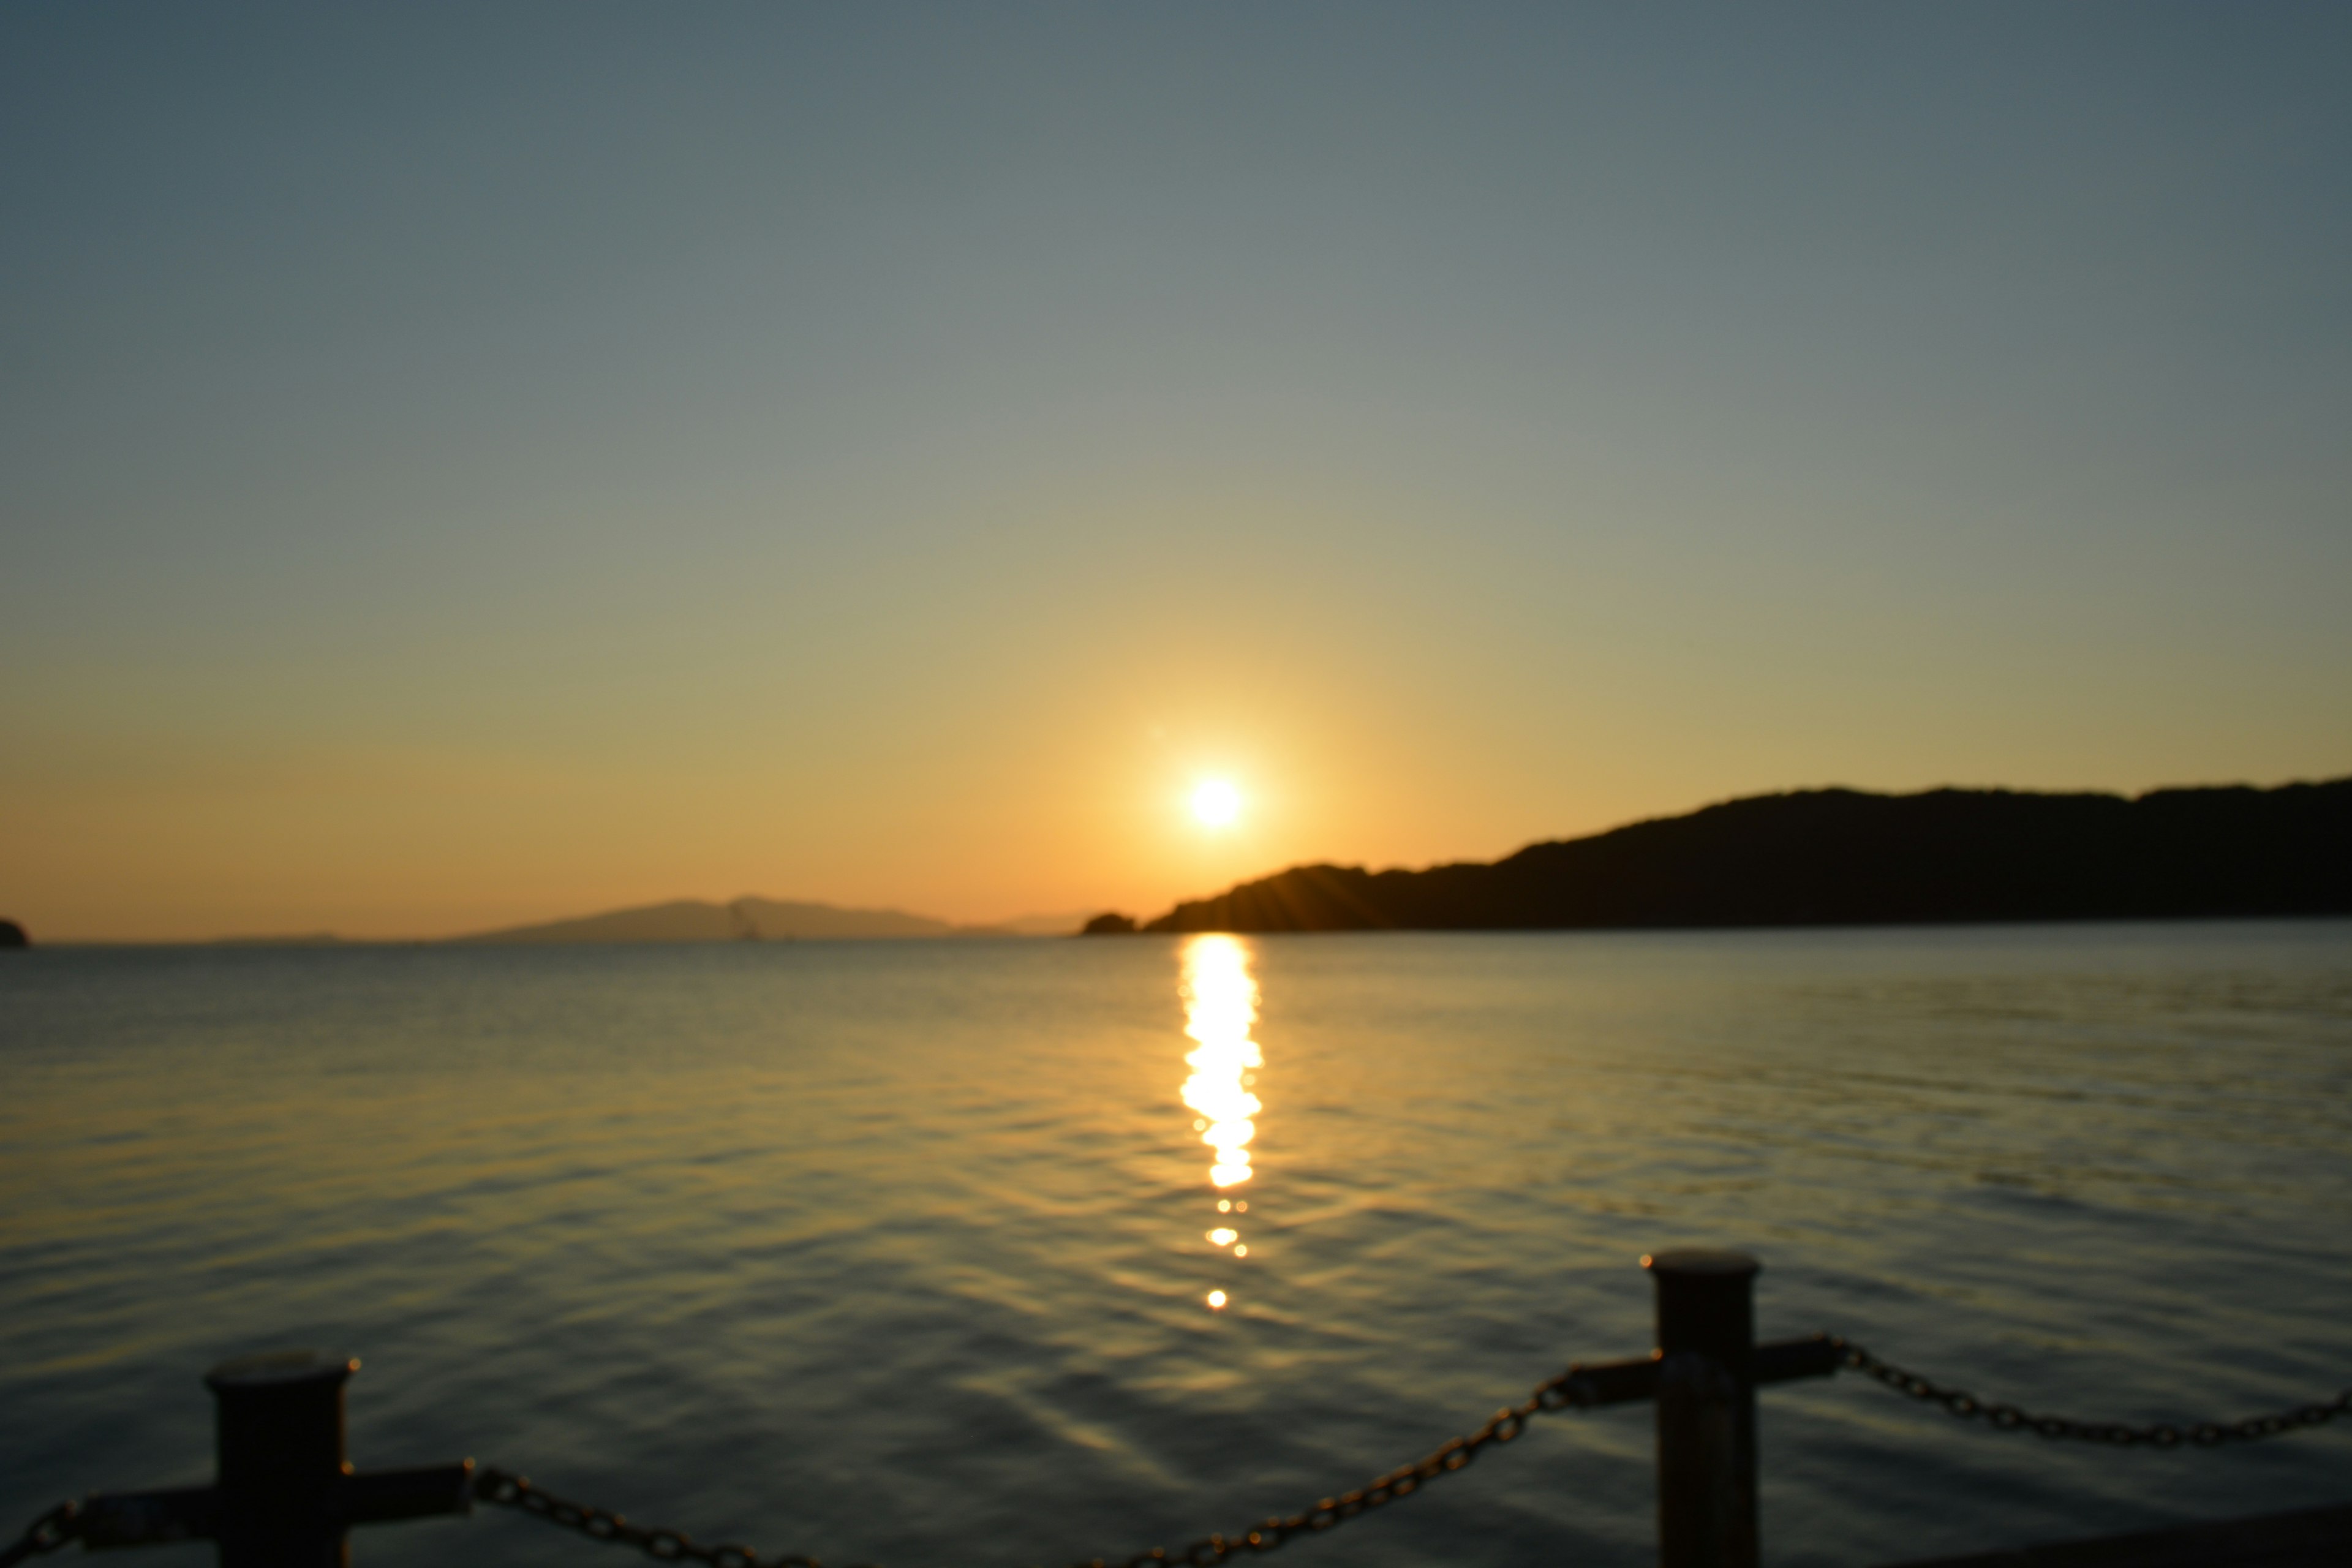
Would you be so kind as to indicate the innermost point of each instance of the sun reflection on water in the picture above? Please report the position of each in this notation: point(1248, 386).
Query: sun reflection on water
point(1219, 1008)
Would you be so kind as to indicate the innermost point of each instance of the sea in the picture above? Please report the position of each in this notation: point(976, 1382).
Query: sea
point(1029, 1252)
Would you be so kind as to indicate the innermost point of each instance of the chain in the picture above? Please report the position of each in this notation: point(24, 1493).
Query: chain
point(1570, 1389)
point(46, 1533)
point(509, 1490)
point(2163, 1435)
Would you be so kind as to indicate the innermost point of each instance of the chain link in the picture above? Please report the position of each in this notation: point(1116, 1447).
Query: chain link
point(1569, 1390)
point(45, 1534)
point(2162, 1435)
point(509, 1490)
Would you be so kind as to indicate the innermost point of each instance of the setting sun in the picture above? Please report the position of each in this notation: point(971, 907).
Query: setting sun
point(1216, 803)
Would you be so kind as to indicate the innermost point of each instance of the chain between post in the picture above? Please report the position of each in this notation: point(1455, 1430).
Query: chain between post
point(1569, 1390)
point(52, 1529)
point(2002, 1417)
point(506, 1490)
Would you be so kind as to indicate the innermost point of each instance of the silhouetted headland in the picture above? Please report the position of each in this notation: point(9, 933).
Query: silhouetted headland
point(1110, 922)
point(13, 935)
point(760, 920)
point(282, 938)
point(1840, 856)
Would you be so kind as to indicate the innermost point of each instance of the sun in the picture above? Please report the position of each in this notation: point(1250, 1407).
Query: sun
point(1216, 803)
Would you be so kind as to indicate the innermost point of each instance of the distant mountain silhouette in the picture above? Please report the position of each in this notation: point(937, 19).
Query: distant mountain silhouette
point(282, 938)
point(1840, 856)
point(692, 920)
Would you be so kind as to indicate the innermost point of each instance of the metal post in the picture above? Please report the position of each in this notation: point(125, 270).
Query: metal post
point(280, 1452)
point(1706, 1408)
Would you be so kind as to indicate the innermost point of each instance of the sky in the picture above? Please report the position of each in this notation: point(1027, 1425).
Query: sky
point(462, 466)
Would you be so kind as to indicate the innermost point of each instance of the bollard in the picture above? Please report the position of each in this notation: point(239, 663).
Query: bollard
point(279, 1444)
point(285, 1495)
point(1706, 1408)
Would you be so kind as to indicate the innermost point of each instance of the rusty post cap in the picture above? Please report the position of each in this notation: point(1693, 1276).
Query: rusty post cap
point(1713, 1261)
point(270, 1368)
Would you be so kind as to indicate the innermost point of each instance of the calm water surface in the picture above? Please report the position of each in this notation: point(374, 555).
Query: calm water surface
point(907, 1251)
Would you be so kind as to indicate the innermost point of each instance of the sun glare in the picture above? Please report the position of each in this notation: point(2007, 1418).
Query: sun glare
point(1216, 803)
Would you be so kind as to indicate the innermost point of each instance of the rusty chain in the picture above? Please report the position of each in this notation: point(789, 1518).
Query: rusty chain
point(46, 1533)
point(1571, 1389)
point(2162, 1435)
point(508, 1489)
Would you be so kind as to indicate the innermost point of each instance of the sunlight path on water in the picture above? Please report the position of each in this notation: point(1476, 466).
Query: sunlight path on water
point(1220, 1007)
point(1220, 999)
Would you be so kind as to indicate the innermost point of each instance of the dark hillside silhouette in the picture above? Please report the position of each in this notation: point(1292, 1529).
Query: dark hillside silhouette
point(745, 919)
point(13, 935)
point(1840, 856)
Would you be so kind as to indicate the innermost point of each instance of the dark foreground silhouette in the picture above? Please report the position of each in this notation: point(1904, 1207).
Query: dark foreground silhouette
point(13, 935)
point(1843, 857)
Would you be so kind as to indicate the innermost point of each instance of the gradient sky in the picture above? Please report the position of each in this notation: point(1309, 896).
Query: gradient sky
point(464, 465)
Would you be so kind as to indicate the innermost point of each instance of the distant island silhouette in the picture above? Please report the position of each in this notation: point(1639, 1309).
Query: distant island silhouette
point(13, 935)
point(758, 919)
point(1841, 856)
